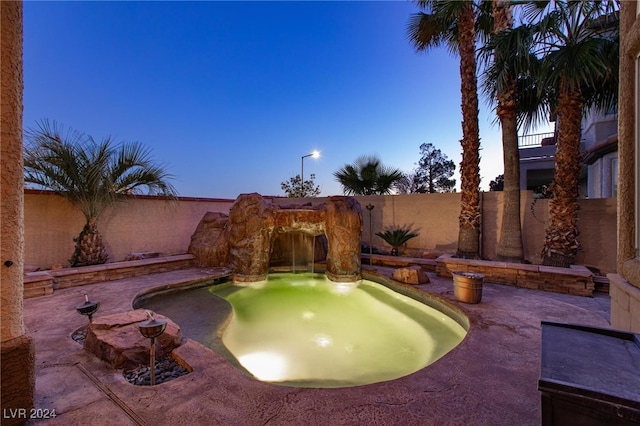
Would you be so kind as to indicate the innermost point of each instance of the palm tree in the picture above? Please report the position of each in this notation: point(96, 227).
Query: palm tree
point(504, 90)
point(367, 176)
point(578, 44)
point(91, 175)
point(397, 236)
point(452, 24)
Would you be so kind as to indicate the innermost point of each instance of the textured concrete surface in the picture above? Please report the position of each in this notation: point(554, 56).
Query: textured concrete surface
point(489, 379)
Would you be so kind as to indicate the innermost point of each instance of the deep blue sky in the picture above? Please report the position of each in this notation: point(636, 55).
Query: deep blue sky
point(230, 95)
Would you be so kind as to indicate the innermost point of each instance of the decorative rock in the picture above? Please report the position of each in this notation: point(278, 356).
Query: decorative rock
point(116, 339)
point(344, 228)
point(246, 240)
point(140, 255)
point(411, 275)
point(250, 232)
point(208, 243)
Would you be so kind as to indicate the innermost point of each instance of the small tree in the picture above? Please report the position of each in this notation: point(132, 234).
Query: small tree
point(92, 176)
point(397, 236)
point(410, 183)
point(497, 184)
point(294, 189)
point(434, 171)
point(432, 175)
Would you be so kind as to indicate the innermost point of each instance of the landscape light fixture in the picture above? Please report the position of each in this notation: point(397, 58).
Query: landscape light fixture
point(314, 154)
point(370, 207)
point(88, 308)
point(151, 329)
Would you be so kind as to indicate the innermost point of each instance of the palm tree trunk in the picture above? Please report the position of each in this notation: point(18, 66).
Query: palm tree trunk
point(561, 239)
point(469, 220)
point(90, 248)
point(510, 245)
point(510, 241)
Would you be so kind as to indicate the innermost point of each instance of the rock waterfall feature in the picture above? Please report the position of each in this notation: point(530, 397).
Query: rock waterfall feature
point(245, 239)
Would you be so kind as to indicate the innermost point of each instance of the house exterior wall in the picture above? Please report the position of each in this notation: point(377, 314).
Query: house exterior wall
point(602, 177)
point(597, 127)
point(11, 171)
point(17, 348)
point(536, 166)
point(625, 284)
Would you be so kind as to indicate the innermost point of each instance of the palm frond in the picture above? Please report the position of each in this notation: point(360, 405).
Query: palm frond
point(396, 236)
point(91, 174)
point(367, 176)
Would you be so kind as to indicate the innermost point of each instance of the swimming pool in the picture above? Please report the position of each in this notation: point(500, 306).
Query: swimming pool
point(307, 331)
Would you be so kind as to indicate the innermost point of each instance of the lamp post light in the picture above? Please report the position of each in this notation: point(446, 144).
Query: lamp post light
point(370, 208)
point(314, 154)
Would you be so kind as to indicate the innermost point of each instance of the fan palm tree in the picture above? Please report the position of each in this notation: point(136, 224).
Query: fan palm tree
point(367, 176)
point(503, 88)
point(91, 175)
point(578, 44)
point(451, 23)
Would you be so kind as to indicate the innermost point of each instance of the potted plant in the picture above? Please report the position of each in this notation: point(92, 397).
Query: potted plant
point(396, 237)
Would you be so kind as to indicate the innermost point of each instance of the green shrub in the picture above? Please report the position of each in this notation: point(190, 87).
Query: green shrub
point(397, 236)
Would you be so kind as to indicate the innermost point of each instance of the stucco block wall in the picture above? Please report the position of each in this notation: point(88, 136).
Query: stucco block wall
point(151, 224)
point(433, 216)
point(137, 225)
point(598, 230)
point(436, 218)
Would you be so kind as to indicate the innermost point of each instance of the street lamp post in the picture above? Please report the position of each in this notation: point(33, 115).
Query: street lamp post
point(314, 154)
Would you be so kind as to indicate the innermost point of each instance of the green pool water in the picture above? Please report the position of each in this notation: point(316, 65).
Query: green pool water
point(305, 330)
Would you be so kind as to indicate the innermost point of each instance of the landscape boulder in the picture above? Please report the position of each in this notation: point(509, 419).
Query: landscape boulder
point(209, 243)
point(411, 275)
point(116, 339)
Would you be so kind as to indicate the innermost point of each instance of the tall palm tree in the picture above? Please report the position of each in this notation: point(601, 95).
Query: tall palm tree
point(367, 176)
point(503, 88)
point(451, 23)
point(91, 175)
point(578, 44)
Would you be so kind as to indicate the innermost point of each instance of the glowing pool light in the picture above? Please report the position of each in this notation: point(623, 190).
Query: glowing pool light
point(266, 366)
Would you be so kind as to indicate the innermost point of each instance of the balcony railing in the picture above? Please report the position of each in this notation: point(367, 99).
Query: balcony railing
point(539, 139)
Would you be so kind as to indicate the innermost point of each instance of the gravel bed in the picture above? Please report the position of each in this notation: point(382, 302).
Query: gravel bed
point(79, 335)
point(166, 370)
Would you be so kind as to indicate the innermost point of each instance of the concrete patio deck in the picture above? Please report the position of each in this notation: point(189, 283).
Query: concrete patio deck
point(489, 379)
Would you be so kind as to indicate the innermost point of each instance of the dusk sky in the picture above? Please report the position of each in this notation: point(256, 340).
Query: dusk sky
point(231, 95)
